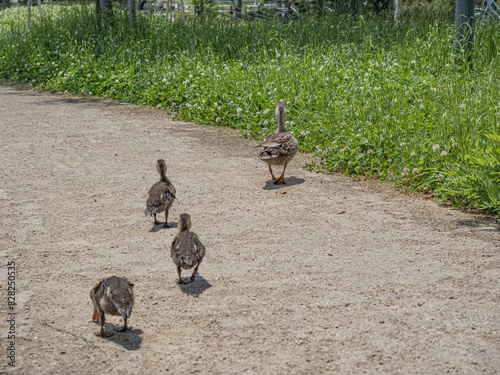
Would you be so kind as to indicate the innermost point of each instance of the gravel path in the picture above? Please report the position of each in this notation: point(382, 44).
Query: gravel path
point(324, 275)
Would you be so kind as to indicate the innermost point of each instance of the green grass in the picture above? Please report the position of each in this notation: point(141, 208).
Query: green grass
point(365, 95)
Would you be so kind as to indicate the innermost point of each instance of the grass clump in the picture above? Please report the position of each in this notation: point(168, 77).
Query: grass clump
point(367, 96)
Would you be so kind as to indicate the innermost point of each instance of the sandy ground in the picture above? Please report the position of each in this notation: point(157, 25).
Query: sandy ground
point(323, 275)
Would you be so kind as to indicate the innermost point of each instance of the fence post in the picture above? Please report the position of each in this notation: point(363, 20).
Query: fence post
point(464, 27)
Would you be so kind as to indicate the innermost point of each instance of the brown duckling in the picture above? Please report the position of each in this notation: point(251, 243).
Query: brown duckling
point(114, 296)
point(161, 195)
point(280, 147)
point(187, 250)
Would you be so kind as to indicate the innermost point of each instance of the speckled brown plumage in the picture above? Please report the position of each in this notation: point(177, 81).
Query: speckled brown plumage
point(278, 148)
point(161, 195)
point(113, 296)
point(187, 251)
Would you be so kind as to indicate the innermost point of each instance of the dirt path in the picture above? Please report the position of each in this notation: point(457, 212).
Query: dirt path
point(320, 276)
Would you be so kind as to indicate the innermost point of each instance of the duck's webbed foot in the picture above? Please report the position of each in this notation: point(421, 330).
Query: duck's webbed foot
point(280, 180)
point(103, 334)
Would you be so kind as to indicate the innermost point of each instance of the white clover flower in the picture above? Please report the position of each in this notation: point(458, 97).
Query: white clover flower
point(341, 150)
point(88, 75)
point(239, 111)
point(415, 170)
point(215, 104)
point(435, 148)
point(370, 151)
point(190, 76)
point(239, 115)
point(360, 154)
point(349, 140)
point(269, 93)
point(241, 64)
point(389, 160)
point(412, 153)
point(402, 144)
point(324, 151)
point(37, 64)
point(186, 82)
point(219, 108)
point(266, 111)
point(334, 141)
point(396, 64)
point(358, 135)
point(292, 123)
point(443, 153)
point(318, 147)
point(440, 177)
point(346, 148)
point(413, 62)
point(116, 81)
point(259, 93)
point(395, 100)
point(82, 66)
point(158, 106)
point(265, 123)
point(406, 170)
point(287, 123)
point(203, 101)
point(60, 73)
point(455, 145)
point(217, 119)
point(100, 76)
point(327, 79)
point(346, 76)
point(462, 106)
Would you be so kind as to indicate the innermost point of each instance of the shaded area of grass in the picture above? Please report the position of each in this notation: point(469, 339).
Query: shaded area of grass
point(367, 96)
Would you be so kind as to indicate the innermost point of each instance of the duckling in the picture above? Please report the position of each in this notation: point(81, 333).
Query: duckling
point(114, 296)
point(187, 251)
point(278, 148)
point(161, 195)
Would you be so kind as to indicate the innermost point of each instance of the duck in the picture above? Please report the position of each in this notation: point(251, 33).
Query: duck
point(113, 296)
point(161, 195)
point(187, 251)
point(280, 147)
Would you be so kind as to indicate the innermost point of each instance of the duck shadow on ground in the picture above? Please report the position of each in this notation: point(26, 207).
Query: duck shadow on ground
point(196, 287)
point(159, 227)
point(290, 181)
point(130, 340)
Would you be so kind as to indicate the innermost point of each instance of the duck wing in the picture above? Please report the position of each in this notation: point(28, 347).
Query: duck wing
point(187, 249)
point(159, 194)
point(276, 145)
